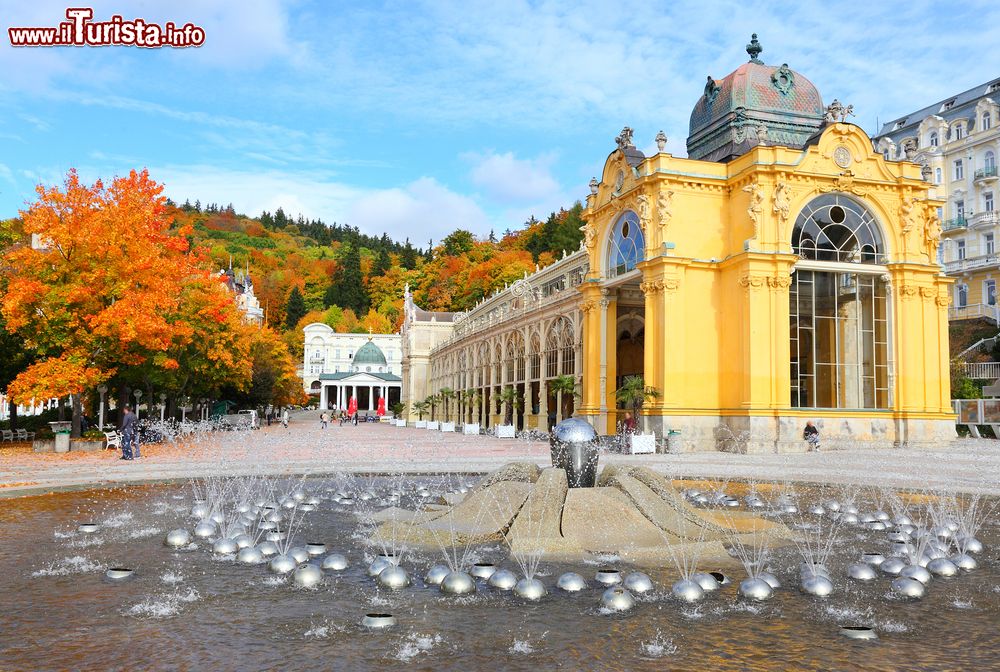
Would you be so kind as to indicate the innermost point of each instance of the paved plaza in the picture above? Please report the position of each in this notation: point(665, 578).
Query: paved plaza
point(305, 448)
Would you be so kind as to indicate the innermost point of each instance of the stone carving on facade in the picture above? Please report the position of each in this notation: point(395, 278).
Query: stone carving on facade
point(660, 286)
point(909, 148)
point(908, 218)
point(932, 234)
point(752, 281)
point(782, 202)
point(844, 182)
point(838, 112)
point(756, 209)
point(779, 281)
point(661, 141)
point(624, 138)
point(588, 305)
point(761, 135)
point(942, 300)
point(907, 291)
point(644, 211)
point(589, 235)
point(664, 208)
point(783, 79)
point(928, 292)
point(521, 288)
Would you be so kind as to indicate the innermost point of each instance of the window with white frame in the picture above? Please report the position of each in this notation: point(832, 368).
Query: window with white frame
point(986, 121)
point(959, 170)
point(934, 139)
point(988, 202)
point(960, 209)
point(958, 131)
point(988, 243)
point(937, 176)
point(990, 292)
point(960, 249)
point(962, 292)
point(990, 162)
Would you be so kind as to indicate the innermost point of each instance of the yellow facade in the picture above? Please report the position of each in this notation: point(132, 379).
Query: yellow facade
point(718, 265)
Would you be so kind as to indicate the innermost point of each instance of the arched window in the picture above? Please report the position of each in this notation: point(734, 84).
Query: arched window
point(958, 131)
point(934, 139)
point(989, 162)
point(834, 227)
point(838, 308)
point(626, 246)
point(937, 176)
point(986, 121)
point(963, 295)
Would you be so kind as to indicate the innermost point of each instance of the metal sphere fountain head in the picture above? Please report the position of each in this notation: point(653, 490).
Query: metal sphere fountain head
point(571, 582)
point(771, 579)
point(378, 566)
point(858, 632)
point(720, 578)
point(970, 545)
point(117, 574)
point(756, 589)
point(483, 570)
point(224, 546)
point(307, 576)
point(530, 589)
point(638, 583)
point(393, 577)
point(608, 576)
point(435, 575)
point(892, 566)
point(315, 548)
point(964, 562)
point(707, 581)
point(861, 571)
point(688, 590)
point(942, 567)
point(916, 572)
point(378, 621)
point(298, 554)
point(177, 538)
point(243, 540)
point(204, 529)
point(458, 583)
point(88, 528)
point(200, 510)
point(267, 548)
point(334, 562)
point(617, 598)
point(817, 585)
point(281, 564)
point(250, 556)
point(503, 579)
point(573, 448)
point(906, 587)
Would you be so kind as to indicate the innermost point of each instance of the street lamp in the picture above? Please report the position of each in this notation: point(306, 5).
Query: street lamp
point(102, 389)
point(138, 396)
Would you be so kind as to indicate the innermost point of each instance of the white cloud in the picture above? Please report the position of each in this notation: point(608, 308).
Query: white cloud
point(507, 179)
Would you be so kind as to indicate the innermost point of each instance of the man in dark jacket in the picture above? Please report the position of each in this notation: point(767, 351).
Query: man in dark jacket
point(128, 430)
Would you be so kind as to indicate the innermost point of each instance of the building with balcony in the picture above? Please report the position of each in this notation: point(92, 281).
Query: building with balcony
point(957, 143)
point(782, 272)
point(340, 366)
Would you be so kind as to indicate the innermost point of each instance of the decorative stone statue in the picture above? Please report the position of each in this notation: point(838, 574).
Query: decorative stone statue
point(836, 111)
point(781, 201)
point(910, 149)
point(661, 141)
point(932, 235)
point(762, 134)
point(664, 202)
point(593, 185)
point(645, 215)
point(711, 90)
point(754, 50)
point(756, 205)
point(925, 173)
point(624, 138)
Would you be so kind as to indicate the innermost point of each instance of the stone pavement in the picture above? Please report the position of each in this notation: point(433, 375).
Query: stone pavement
point(304, 448)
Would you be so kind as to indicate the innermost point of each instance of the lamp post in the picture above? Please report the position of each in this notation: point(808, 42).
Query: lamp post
point(138, 396)
point(163, 404)
point(102, 389)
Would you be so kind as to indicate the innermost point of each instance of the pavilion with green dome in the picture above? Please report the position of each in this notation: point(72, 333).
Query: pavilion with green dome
point(366, 380)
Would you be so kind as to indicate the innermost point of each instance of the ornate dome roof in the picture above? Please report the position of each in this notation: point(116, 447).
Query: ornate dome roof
point(369, 353)
point(756, 104)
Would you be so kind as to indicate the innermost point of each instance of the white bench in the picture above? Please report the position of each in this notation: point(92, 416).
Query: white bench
point(6, 435)
point(24, 435)
point(114, 439)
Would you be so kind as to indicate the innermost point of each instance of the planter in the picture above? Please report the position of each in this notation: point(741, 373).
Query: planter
point(447, 426)
point(43, 445)
point(420, 424)
point(505, 431)
point(86, 445)
point(432, 424)
point(643, 443)
point(400, 422)
point(471, 429)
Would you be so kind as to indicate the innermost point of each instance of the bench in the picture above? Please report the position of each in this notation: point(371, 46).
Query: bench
point(6, 435)
point(114, 440)
point(25, 435)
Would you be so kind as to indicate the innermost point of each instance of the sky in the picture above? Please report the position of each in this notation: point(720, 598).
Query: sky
point(417, 118)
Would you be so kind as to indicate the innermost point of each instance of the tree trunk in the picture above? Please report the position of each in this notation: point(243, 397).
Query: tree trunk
point(122, 403)
point(12, 407)
point(77, 412)
point(62, 410)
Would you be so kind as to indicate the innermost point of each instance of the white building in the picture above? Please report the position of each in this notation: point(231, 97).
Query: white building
point(339, 366)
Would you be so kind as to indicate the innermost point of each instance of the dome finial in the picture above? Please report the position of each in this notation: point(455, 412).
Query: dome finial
point(754, 49)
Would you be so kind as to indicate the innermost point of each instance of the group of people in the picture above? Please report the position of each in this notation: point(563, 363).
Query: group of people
point(325, 419)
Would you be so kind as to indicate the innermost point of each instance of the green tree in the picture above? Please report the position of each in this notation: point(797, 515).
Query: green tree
point(408, 257)
point(458, 242)
point(382, 264)
point(420, 407)
point(295, 308)
point(446, 394)
point(346, 289)
point(634, 393)
point(432, 401)
point(511, 401)
point(568, 387)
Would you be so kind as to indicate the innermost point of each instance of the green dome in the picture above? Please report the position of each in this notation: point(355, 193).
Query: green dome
point(369, 353)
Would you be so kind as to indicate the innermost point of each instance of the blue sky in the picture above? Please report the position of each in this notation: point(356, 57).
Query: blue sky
point(420, 117)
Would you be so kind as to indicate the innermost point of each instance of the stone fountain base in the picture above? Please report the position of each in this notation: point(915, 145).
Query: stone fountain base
point(633, 513)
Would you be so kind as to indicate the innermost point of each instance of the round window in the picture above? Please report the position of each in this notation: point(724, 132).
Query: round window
point(625, 229)
point(837, 214)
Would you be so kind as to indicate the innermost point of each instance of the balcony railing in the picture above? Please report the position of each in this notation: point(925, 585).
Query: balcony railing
point(971, 263)
point(984, 173)
point(985, 218)
point(956, 223)
point(981, 370)
point(974, 311)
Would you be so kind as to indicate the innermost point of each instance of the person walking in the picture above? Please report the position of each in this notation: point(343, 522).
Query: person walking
point(284, 418)
point(322, 419)
point(128, 431)
point(811, 435)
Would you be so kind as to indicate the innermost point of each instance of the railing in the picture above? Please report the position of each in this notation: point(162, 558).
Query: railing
point(976, 411)
point(981, 370)
point(970, 263)
point(990, 343)
point(992, 217)
point(974, 311)
point(955, 223)
point(983, 173)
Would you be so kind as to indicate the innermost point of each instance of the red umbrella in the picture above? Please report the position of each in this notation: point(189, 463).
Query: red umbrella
point(381, 407)
point(352, 406)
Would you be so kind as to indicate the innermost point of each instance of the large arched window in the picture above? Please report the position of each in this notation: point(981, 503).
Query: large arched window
point(934, 139)
point(626, 246)
point(839, 308)
point(986, 122)
point(990, 163)
point(834, 227)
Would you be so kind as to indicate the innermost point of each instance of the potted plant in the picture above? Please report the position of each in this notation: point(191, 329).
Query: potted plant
point(420, 407)
point(567, 386)
point(446, 394)
point(471, 399)
point(632, 394)
point(511, 401)
point(432, 401)
point(397, 413)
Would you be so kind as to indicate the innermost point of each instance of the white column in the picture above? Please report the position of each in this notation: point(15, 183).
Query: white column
point(322, 397)
point(371, 397)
